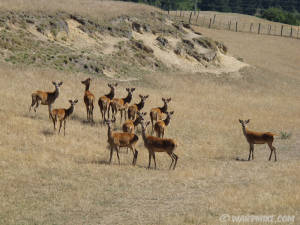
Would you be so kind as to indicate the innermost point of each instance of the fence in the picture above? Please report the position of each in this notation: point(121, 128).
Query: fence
point(231, 23)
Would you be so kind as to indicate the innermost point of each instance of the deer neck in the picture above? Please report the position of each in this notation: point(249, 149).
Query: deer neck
point(144, 136)
point(111, 94)
point(87, 87)
point(128, 98)
point(69, 111)
point(53, 95)
point(136, 121)
point(167, 120)
point(164, 108)
point(140, 105)
point(244, 130)
point(109, 133)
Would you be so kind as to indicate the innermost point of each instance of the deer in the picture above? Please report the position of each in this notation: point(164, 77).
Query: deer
point(121, 139)
point(104, 100)
point(130, 125)
point(45, 98)
point(121, 104)
point(254, 137)
point(62, 115)
point(88, 100)
point(156, 113)
point(156, 144)
point(160, 125)
point(133, 109)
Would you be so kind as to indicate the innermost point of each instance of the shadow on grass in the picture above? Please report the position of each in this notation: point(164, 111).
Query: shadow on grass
point(241, 159)
point(48, 133)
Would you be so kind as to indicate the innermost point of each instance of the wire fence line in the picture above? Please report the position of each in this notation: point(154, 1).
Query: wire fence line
point(215, 21)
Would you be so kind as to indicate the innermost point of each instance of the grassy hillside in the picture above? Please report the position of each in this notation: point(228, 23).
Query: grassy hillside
point(47, 178)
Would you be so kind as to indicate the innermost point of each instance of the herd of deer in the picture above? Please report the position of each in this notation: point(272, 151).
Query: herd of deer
point(128, 138)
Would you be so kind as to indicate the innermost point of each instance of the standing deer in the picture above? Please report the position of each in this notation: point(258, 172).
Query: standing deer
point(88, 100)
point(156, 144)
point(129, 125)
point(62, 115)
point(121, 104)
point(156, 113)
point(254, 137)
point(104, 101)
point(133, 109)
point(45, 98)
point(160, 125)
point(121, 139)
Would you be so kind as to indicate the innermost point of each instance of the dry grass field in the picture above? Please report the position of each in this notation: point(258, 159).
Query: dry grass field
point(48, 178)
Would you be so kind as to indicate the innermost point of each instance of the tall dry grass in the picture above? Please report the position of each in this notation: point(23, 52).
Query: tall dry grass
point(51, 179)
point(92, 8)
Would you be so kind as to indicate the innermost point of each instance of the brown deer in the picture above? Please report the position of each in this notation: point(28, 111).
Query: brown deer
point(156, 144)
point(121, 139)
point(88, 100)
point(133, 109)
point(104, 101)
point(62, 115)
point(254, 137)
point(121, 104)
point(156, 113)
point(160, 126)
point(45, 98)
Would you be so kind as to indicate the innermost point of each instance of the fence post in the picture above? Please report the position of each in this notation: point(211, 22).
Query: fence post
point(236, 26)
point(210, 20)
point(190, 17)
point(214, 19)
point(281, 30)
point(258, 29)
point(197, 16)
point(291, 34)
point(251, 26)
point(270, 28)
point(180, 13)
point(229, 25)
point(298, 32)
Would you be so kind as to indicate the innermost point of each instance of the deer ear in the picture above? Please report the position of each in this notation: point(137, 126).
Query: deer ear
point(53, 82)
point(60, 83)
point(76, 100)
point(141, 96)
point(240, 120)
point(172, 112)
point(146, 96)
point(169, 99)
point(145, 113)
point(116, 84)
point(71, 101)
point(248, 121)
point(127, 89)
point(163, 99)
point(132, 89)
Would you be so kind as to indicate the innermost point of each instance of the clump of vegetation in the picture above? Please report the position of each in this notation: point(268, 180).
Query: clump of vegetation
point(282, 16)
point(285, 135)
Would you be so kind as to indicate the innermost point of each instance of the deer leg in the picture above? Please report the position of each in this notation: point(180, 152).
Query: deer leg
point(54, 122)
point(49, 109)
point(176, 158)
point(64, 127)
point(274, 149)
point(171, 155)
point(149, 160)
point(162, 133)
point(32, 103)
point(92, 112)
point(153, 155)
point(250, 151)
point(117, 149)
point(271, 149)
point(111, 153)
point(135, 156)
point(60, 125)
point(36, 105)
